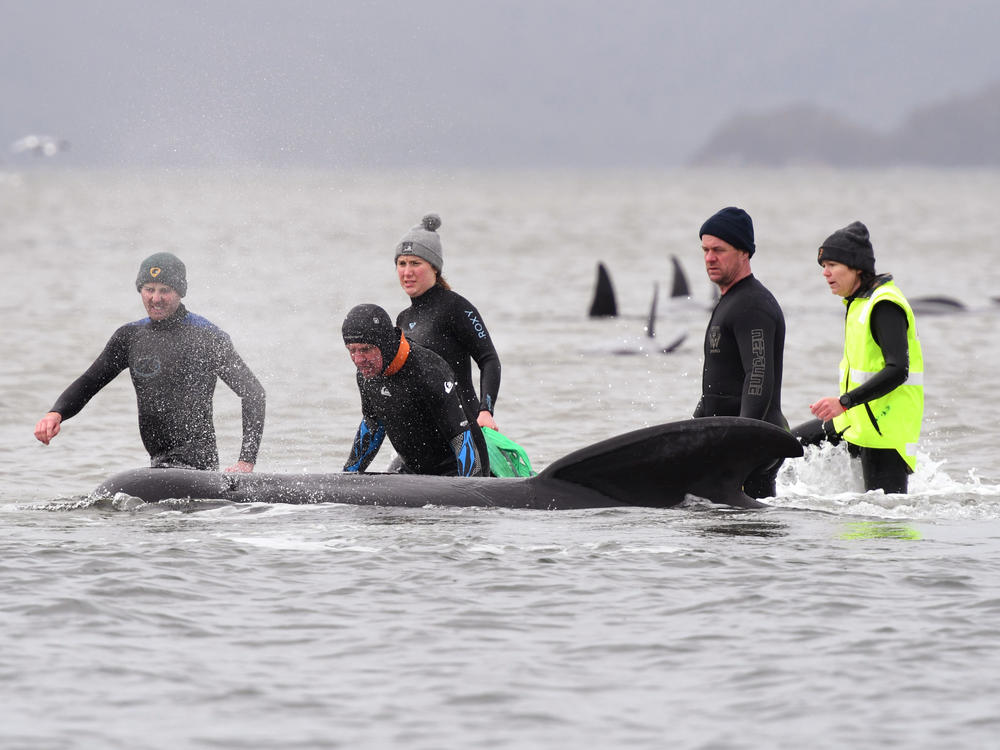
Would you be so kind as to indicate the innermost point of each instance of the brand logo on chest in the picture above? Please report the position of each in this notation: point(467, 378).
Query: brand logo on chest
point(714, 337)
point(148, 366)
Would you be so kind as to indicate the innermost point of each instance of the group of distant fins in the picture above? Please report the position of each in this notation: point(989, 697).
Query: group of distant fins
point(605, 305)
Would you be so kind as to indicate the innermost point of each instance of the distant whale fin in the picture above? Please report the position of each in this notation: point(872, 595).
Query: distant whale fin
point(673, 344)
point(680, 287)
point(651, 323)
point(658, 466)
point(603, 304)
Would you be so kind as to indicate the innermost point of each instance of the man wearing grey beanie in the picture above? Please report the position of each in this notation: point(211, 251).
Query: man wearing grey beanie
point(175, 359)
point(745, 338)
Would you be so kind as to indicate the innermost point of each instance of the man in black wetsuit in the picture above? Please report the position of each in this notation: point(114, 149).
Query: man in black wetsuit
point(175, 358)
point(410, 394)
point(745, 339)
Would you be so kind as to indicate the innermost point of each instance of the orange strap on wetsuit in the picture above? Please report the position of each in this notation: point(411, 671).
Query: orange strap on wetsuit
point(400, 359)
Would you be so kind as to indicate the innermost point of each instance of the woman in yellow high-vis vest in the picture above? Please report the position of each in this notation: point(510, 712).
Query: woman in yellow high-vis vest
point(881, 403)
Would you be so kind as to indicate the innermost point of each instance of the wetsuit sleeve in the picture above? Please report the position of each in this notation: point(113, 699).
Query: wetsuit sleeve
point(104, 369)
point(367, 441)
point(756, 334)
point(234, 372)
point(888, 325)
point(475, 338)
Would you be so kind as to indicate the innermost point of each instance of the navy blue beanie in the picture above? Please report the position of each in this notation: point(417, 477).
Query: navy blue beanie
point(733, 225)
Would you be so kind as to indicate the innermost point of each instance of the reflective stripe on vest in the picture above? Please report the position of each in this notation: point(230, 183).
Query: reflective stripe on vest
point(892, 421)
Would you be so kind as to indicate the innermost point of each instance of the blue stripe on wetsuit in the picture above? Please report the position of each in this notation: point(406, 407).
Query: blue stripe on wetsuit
point(366, 445)
point(466, 455)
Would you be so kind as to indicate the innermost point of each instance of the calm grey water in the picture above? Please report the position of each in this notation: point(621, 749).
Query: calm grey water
point(833, 619)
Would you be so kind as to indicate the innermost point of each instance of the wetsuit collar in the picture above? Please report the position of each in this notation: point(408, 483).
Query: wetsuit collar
point(400, 359)
point(179, 314)
point(427, 297)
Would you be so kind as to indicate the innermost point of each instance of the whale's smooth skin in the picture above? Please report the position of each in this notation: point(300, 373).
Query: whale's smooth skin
point(654, 467)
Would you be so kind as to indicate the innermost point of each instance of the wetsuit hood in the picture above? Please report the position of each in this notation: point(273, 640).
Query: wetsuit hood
point(370, 324)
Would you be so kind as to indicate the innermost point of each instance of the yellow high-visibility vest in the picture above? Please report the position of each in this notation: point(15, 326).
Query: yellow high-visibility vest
point(892, 421)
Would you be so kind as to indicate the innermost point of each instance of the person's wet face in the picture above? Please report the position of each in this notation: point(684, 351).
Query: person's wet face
point(161, 301)
point(367, 358)
point(416, 275)
point(843, 280)
point(724, 264)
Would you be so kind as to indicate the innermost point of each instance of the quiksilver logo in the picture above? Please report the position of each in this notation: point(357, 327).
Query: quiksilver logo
point(412, 326)
point(448, 385)
point(155, 271)
point(385, 391)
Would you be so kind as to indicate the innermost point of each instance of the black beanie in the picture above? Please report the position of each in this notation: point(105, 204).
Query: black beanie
point(163, 268)
point(850, 246)
point(733, 225)
point(370, 324)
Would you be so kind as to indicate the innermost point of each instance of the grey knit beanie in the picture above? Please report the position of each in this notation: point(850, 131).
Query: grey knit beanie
point(163, 268)
point(423, 241)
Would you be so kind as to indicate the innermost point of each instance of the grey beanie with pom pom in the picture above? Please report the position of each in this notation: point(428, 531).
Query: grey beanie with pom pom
point(423, 241)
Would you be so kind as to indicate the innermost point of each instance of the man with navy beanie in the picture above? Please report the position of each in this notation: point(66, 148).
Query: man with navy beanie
point(745, 339)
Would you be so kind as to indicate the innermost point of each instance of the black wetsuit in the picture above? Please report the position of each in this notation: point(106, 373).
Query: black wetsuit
point(882, 468)
point(175, 364)
point(744, 353)
point(421, 411)
point(447, 323)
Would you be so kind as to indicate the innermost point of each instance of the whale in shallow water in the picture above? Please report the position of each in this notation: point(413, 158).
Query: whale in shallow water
point(656, 466)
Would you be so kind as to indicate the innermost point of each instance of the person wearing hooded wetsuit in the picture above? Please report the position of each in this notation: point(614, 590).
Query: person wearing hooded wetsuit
point(408, 394)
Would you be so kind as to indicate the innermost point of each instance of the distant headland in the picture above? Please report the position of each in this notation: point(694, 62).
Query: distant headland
point(960, 132)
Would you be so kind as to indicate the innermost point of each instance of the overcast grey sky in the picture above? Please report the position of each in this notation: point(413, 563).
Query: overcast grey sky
point(463, 82)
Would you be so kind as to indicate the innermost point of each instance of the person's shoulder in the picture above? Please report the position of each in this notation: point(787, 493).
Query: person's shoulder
point(201, 323)
point(757, 287)
point(460, 301)
point(425, 359)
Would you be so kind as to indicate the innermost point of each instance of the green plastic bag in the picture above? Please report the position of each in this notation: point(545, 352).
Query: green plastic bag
point(507, 458)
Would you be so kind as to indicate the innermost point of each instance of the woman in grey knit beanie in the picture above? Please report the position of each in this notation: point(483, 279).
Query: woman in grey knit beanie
point(444, 321)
